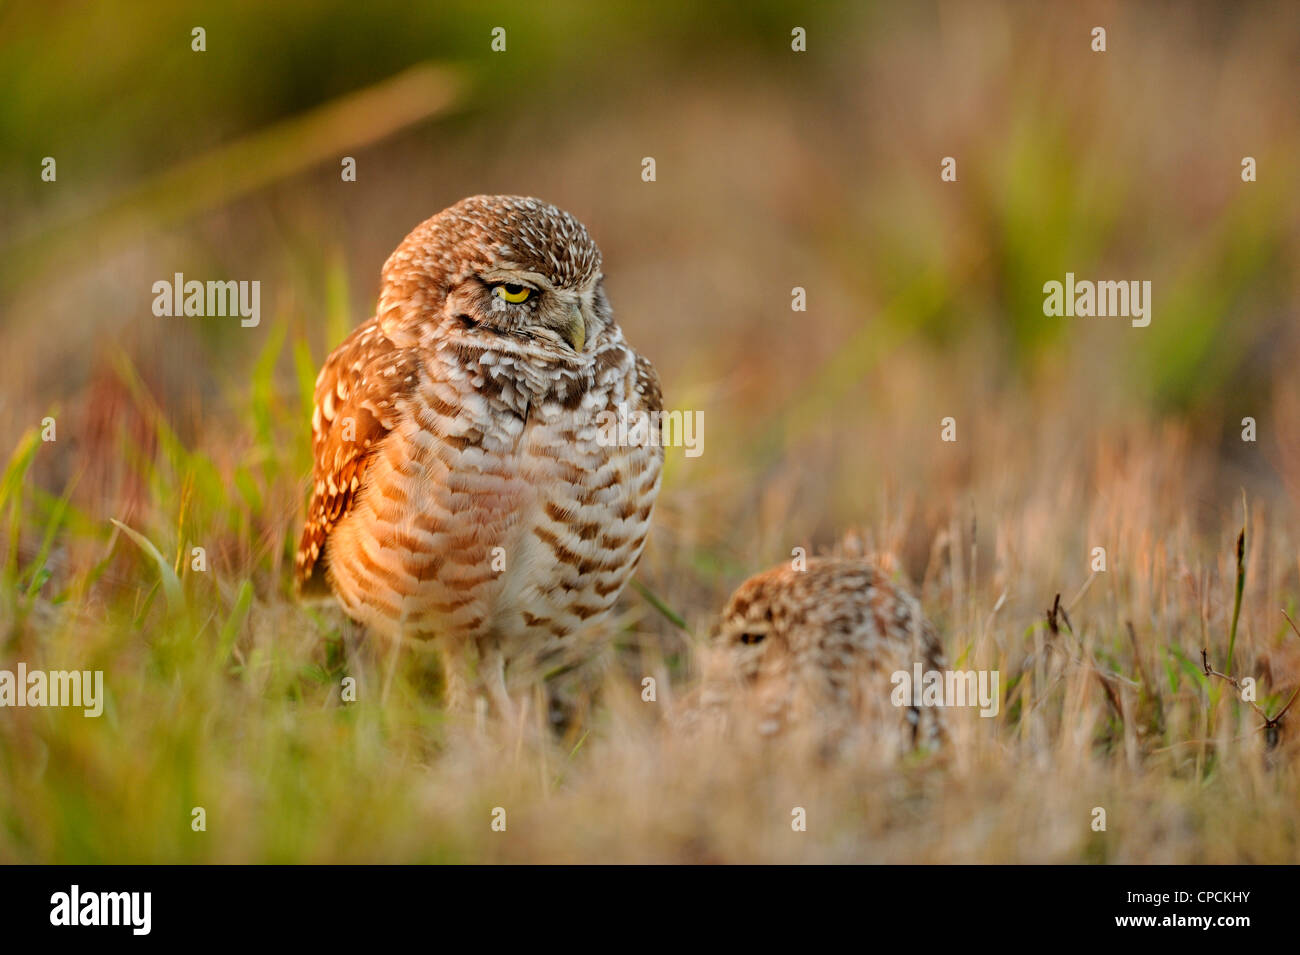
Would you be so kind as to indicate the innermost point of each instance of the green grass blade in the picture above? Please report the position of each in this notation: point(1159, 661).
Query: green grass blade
point(671, 615)
point(1241, 586)
point(170, 582)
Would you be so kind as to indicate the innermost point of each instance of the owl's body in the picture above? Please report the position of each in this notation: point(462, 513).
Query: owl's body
point(814, 650)
point(463, 493)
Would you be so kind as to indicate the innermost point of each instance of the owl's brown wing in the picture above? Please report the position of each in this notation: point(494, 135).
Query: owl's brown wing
point(646, 385)
point(357, 395)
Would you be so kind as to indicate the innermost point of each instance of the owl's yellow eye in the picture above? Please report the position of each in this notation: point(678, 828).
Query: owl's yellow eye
point(514, 294)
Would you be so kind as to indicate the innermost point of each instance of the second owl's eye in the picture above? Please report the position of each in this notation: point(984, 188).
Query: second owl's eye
point(514, 294)
point(752, 638)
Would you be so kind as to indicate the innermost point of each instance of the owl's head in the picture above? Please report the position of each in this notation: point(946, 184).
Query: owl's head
point(754, 623)
point(513, 273)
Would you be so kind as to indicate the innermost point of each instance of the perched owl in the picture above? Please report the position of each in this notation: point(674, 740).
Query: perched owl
point(814, 650)
point(463, 490)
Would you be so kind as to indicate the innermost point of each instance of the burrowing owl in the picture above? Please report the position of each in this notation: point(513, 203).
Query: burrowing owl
point(815, 649)
point(463, 492)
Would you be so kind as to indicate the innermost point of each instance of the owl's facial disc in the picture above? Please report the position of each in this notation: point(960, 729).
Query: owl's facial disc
point(749, 634)
point(560, 317)
point(515, 303)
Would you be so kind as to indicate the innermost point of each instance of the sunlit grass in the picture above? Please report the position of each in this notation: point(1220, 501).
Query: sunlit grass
point(224, 694)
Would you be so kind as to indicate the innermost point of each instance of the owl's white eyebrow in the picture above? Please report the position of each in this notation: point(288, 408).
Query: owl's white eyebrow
point(503, 275)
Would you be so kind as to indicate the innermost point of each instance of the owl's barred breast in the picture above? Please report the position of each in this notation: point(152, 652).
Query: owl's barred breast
point(487, 512)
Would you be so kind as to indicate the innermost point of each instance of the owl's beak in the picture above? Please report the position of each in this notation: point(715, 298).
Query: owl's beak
point(575, 332)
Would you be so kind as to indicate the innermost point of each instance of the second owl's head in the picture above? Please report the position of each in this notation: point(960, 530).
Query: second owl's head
point(753, 625)
point(510, 272)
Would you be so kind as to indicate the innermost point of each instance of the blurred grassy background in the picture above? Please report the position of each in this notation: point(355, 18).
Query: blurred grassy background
point(775, 170)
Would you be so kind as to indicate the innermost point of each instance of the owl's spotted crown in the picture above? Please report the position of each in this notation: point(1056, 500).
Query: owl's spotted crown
point(528, 234)
point(512, 232)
